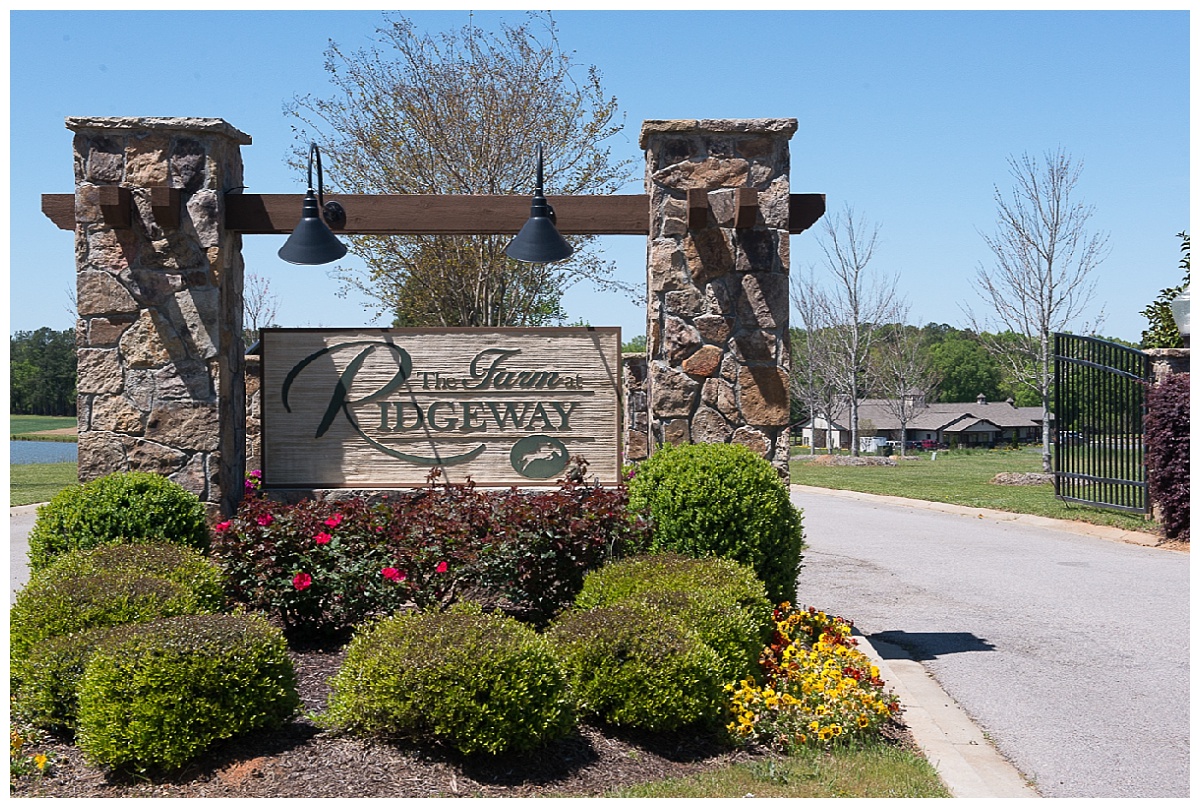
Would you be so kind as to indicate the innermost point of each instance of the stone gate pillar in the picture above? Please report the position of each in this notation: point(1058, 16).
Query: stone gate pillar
point(717, 278)
point(159, 293)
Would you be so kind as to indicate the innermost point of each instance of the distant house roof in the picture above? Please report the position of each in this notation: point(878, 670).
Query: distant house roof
point(946, 415)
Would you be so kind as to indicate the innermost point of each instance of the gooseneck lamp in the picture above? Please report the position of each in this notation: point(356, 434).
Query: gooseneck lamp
point(312, 242)
point(539, 241)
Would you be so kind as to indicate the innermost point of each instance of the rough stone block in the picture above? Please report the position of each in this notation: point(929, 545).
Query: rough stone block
point(752, 439)
point(704, 362)
point(763, 396)
point(100, 453)
point(98, 371)
point(185, 425)
point(713, 328)
point(708, 426)
point(146, 159)
point(151, 342)
point(672, 392)
point(708, 254)
point(677, 432)
point(104, 332)
point(116, 414)
point(154, 457)
point(680, 340)
point(101, 293)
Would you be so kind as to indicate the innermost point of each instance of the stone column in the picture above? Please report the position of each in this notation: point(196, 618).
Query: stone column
point(718, 305)
point(160, 380)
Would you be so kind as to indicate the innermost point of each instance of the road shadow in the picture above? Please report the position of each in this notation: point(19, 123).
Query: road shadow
point(926, 645)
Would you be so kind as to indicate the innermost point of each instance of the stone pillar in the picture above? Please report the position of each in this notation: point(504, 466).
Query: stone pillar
point(1168, 361)
point(159, 291)
point(718, 304)
point(637, 415)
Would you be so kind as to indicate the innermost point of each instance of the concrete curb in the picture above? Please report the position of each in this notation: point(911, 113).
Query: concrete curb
point(1079, 528)
point(965, 760)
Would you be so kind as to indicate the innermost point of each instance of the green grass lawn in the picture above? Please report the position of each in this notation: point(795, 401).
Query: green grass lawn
point(24, 427)
point(38, 482)
point(963, 477)
point(876, 770)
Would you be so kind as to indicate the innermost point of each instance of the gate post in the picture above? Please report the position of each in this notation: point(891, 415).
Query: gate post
point(717, 282)
point(159, 294)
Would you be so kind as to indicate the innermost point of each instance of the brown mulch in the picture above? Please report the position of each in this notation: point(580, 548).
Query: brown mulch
point(301, 760)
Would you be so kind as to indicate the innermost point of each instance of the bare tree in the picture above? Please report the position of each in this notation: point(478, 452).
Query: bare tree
point(812, 378)
point(904, 375)
point(260, 306)
point(857, 303)
point(1041, 280)
point(463, 112)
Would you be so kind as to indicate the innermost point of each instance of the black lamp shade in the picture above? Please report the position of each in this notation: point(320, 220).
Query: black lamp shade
point(312, 242)
point(539, 242)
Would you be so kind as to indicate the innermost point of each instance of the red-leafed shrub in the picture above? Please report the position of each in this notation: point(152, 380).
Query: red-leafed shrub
point(1168, 420)
point(326, 566)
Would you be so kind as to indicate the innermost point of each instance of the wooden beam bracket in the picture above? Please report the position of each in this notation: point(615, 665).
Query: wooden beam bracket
point(697, 208)
point(745, 212)
point(165, 204)
point(115, 205)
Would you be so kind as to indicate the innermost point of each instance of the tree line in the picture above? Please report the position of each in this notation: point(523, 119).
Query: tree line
point(42, 372)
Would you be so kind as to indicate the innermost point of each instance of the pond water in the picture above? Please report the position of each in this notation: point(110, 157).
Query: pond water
point(41, 451)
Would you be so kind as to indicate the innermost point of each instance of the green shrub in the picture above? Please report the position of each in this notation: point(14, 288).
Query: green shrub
point(55, 608)
point(174, 562)
point(722, 601)
point(46, 682)
point(475, 682)
point(717, 499)
point(630, 666)
point(124, 508)
point(155, 695)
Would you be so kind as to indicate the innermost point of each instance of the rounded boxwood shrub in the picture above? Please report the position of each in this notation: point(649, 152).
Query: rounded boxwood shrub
point(155, 695)
point(719, 499)
point(174, 562)
point(475, 682)
point(45, 684)
point(722, 601)
point(132, 507)
point(57, 607)
point(630, 666)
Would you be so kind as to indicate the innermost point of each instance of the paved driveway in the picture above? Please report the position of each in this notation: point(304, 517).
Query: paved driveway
point(1069, 651)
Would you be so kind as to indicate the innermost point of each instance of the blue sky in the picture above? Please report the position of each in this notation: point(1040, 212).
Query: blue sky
point(907, 116)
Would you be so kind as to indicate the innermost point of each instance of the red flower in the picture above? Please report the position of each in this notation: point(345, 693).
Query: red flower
point(221, 527)
point(334, 520)
point(302, 581)
point(265, 519)
point(392, 574)
point(442, 567)
point(322, 538)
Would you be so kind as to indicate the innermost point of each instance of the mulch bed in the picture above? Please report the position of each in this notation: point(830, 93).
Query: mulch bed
point(301, 760)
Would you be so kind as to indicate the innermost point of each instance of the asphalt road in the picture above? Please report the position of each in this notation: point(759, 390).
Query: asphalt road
point(1070, 652)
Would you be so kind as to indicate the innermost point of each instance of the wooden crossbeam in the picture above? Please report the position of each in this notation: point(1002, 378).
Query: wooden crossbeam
point(412, 214)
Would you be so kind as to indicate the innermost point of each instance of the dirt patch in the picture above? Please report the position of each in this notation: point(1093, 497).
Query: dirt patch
point(1022, 478)
point(67, 430)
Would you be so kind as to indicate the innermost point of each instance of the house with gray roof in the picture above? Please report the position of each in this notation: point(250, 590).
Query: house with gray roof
point(981, 423)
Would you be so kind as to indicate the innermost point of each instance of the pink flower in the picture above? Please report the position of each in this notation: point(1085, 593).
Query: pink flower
point(334, 520)
point(442, 567)
point(322, 538)
point(392, 574)
point(256, 473)
point(302, 581)
point(265, 519)
point(221, 527)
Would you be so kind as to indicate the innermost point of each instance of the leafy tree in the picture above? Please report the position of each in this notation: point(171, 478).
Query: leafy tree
point(1041, 278)
point(42, 372)
point(635, 345)
point(1163, 333)
point(462, 112)
point(965, 369)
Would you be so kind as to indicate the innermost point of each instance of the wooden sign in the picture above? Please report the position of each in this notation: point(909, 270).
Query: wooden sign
point(381, 408)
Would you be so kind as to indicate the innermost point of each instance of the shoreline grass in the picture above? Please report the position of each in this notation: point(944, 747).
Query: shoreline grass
point(42, 427)
point(32, 483)
point(963, 477)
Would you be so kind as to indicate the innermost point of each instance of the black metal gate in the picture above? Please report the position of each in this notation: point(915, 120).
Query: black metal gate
point(1099, 402)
